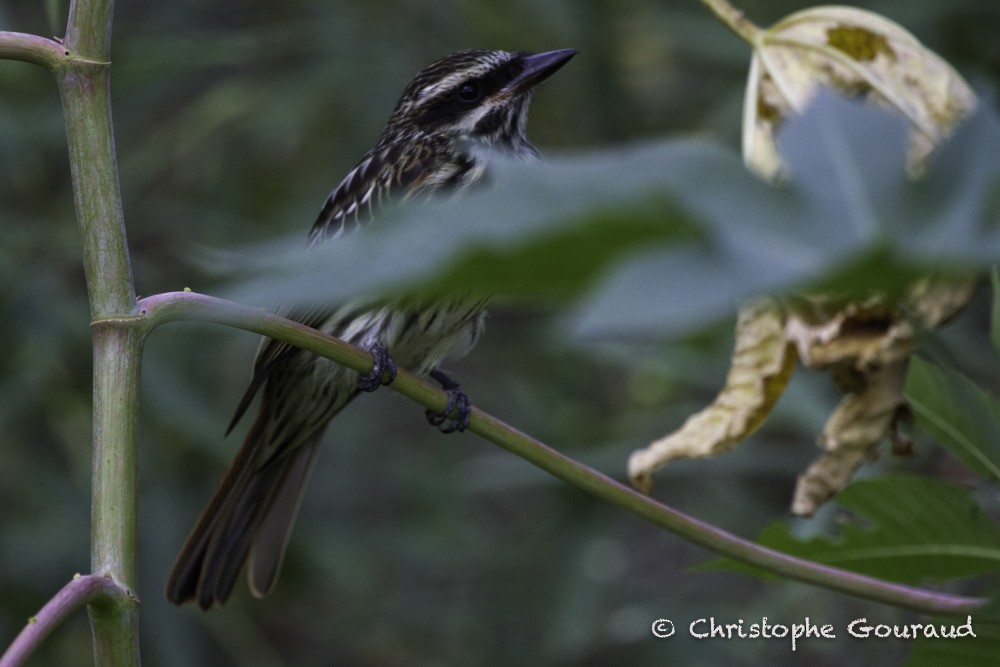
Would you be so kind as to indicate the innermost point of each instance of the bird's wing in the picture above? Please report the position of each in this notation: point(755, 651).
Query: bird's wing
point(383, 175)
point(394, 172)
point(353, 201)
point(271, 352)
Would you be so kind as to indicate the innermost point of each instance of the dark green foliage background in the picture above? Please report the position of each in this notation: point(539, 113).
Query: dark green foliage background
point(233, 121)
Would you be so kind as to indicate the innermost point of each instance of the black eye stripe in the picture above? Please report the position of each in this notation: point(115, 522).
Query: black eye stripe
point(448, 106)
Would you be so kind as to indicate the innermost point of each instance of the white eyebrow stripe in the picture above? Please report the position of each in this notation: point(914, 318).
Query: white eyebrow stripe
point(450, 81)
point(444, 84)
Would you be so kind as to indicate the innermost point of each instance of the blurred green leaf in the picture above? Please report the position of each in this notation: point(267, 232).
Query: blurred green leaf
point(852, 221)
point(900, 528)
point(560, 265)
point(539, 229)
point(848, 160)
point(671, 235)
point(952, 215)
point(961, 416)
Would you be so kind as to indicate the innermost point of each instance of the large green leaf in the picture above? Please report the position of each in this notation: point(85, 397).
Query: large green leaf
point(961, 416)
point(539, 230)
point(854, 220)
point(901, 528)
point(668, 236)
point(953, 214)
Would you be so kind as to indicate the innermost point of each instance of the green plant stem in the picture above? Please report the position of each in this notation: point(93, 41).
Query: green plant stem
point(32, 49)
point(82, 70)
point(117, 354)
point(100, 593)
point(175, 306)
point(84, 87)
point(88, 28)
point(734, 19)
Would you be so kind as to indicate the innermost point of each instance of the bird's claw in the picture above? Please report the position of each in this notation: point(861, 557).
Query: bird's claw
point(383, 369)
point(458, 403)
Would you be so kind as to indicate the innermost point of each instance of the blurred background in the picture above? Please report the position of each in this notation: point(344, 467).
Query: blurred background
point(233, 122)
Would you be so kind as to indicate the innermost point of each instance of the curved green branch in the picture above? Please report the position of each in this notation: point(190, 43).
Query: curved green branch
point(174, 306)
point(32, 49)
point(102, 595)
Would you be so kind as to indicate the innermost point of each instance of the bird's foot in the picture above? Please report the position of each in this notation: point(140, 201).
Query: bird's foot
point(458, 403)
point(383, 369)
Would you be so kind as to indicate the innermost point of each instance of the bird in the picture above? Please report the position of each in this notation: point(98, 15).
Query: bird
point(437, 140)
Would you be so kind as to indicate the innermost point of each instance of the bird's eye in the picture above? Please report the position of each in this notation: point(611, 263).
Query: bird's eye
point(469, 91)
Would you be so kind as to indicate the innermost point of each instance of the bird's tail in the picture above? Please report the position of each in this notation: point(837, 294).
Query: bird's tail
point(247, 521)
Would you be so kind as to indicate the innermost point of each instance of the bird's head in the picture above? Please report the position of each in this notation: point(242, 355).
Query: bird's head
point(478, 95)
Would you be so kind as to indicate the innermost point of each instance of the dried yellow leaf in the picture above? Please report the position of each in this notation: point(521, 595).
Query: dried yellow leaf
point(859, 422)
point(762, 363)
point(864, 343)
point(858, 54)
point(866, 346)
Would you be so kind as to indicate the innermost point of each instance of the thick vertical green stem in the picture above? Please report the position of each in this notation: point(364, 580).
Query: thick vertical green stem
point(88, 30)
point(84, 87)
point(114, 522)
point(115, 481)
point(85, 91)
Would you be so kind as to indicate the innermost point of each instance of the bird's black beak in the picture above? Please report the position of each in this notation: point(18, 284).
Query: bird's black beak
point(537, 68)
